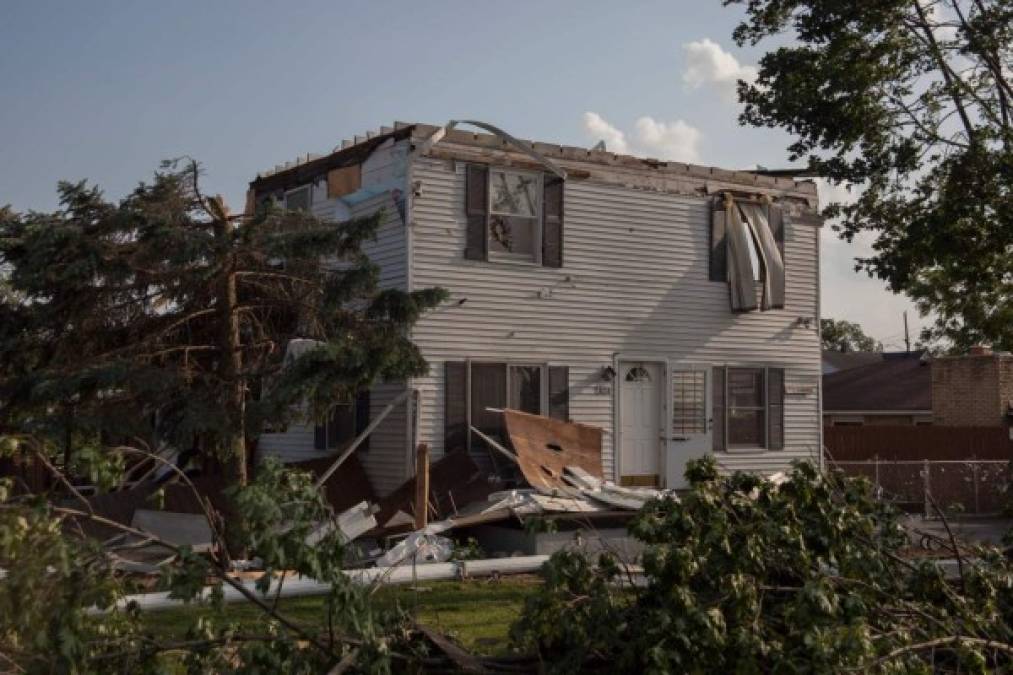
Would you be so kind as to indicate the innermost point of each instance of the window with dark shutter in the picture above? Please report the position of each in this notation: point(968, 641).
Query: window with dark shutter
point(476, 205)
point(339, 429)
point(746, 411)
point(718, 410)
point(513, 216)
point(748, 408)
point(775, 408)
point(552, 221)
point(473, 388)
point(559, 392)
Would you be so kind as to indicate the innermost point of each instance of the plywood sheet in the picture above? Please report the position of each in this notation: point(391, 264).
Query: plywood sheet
point(344, 181)
point(544, 446)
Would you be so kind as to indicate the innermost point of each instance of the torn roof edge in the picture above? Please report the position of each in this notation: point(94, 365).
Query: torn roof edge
point(351, 152)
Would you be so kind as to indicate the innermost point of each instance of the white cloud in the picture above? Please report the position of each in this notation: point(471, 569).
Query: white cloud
point(708, 64)
point(596, 126)
point(670, 141)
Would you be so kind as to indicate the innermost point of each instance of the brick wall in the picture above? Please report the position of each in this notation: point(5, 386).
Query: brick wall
point(972, 390)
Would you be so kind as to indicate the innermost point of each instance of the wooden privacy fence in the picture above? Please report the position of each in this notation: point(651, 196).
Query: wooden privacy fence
point(922, 468)
point(917, 443)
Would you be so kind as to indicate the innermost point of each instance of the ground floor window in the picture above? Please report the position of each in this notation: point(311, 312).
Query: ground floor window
point(748, 408)
point(345, 422)
point(477, 390)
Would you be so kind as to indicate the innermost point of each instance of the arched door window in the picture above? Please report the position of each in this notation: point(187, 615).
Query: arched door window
point(638, 374)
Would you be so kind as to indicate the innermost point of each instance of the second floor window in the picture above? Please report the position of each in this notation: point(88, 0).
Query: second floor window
point(299, 199)
point(515, 215)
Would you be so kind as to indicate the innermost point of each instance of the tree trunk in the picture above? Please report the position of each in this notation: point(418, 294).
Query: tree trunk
point(231, 369)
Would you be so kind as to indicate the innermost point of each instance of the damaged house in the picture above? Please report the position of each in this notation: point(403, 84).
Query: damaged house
point(673, 306)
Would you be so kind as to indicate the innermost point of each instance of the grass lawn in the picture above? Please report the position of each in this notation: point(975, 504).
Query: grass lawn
point(476, 613)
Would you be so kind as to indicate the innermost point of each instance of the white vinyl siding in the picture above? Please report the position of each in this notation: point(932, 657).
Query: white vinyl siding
point(634, 281)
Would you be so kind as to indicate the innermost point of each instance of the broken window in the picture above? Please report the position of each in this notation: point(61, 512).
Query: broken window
point(299, 199)
point(748, 405)
point(513, 216)
point(472, 388)
point(747, 246)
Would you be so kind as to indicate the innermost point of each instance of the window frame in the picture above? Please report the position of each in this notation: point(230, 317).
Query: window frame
point(765, 408)
point(706, 400)
point(308, 188)
point(537, 225)
point(543, 387)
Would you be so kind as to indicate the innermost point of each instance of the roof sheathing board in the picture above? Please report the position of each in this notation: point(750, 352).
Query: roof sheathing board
point(636, 172)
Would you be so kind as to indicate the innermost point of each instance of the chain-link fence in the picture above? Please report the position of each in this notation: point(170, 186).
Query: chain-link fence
point(972, 486)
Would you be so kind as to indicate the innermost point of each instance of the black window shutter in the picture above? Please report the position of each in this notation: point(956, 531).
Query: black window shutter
point(718, 412)
point(476, 204)
point(320, 437)
point(775, 408)
point(488, 385)
point(552, 221)
point(334, 427)
point(718, 242)
point(559, 392)
point(362, 402)
point(455, 423)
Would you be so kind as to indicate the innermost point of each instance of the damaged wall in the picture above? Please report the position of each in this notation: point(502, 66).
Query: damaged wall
point(639, 283)
point(383, 171)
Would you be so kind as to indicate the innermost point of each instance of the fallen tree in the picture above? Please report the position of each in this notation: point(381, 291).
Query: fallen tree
point(747, 575)
point(741, 574)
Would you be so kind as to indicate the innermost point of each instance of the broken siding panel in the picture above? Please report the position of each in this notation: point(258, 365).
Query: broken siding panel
point(635, 280)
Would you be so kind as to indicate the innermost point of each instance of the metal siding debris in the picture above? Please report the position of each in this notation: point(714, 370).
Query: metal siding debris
point(769, 252)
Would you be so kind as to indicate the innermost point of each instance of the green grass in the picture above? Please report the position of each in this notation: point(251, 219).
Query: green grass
point(476, 613)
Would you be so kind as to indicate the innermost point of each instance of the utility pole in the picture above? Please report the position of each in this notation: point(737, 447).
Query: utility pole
point(907, 339)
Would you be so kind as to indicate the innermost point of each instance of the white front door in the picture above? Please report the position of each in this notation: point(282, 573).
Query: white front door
point(691, 420)
point(640, 430)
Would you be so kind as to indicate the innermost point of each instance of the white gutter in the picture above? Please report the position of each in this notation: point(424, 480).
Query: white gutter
point(294, 587)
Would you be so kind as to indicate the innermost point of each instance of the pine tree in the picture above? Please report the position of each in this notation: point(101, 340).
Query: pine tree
point(163, 315)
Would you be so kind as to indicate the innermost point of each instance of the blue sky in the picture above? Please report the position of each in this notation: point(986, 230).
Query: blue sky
point(104, 90)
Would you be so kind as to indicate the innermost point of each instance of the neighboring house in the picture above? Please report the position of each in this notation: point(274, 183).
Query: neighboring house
point(894, 389)
point(584, 285)
point(974, 390)
point(835, 361)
